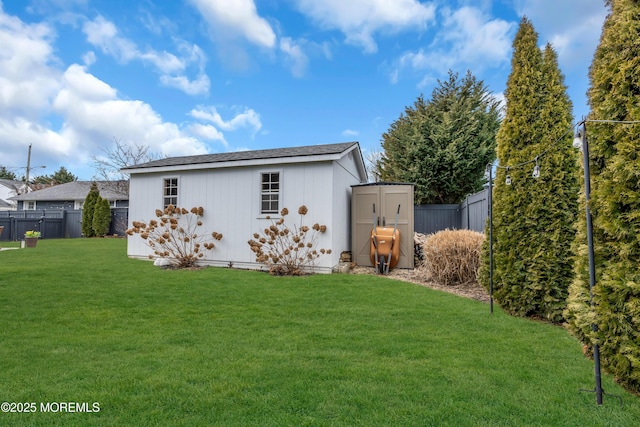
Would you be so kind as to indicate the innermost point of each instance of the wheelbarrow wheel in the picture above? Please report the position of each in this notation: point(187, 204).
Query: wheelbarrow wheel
point(381, 268)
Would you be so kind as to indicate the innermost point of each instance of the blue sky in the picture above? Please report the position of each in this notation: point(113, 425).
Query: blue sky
point(191, 77)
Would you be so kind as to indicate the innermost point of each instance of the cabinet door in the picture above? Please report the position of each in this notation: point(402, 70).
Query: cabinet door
point(392, 196)
point(386, 199)
point(362, 221)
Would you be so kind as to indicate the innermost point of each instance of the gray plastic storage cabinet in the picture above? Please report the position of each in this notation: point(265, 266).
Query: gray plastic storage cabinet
point(386, 197)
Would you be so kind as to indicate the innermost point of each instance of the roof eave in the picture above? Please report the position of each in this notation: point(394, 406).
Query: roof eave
point(240, 163)
point(362, 169)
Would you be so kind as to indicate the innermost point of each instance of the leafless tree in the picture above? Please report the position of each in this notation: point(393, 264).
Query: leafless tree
point(372, 161)
point(118, 156)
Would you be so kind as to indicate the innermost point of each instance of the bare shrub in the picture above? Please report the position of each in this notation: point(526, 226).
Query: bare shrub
point(288, 250)
point(452, 257)
point(174, 237)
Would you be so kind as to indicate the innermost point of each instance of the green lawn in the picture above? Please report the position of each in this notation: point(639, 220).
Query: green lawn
point(82, 323)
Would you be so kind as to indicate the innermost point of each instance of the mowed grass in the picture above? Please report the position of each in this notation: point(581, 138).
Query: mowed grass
point(223, 347)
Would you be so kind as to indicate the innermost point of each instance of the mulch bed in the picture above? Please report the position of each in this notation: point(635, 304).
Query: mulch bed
point(471, 290)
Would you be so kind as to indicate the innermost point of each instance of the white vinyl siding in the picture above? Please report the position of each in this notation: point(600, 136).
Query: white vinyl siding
point(232, 200)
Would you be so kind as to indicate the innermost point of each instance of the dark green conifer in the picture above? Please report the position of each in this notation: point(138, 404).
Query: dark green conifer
point(88, 209)
point(533, 217)
point(101, 217)
point(615, 201)
point(442, 145)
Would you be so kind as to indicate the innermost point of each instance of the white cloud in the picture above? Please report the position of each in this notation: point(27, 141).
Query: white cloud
point(245, 119)
point(199, 85)
point(164, 61)
point(67, 114)
point(192, 53)
point(92, 89)
point(154, 24)
point(207, 132)
point(236, 18)
point(467, 37)
point(17, 133)
point(104, 35)
point(248, 118)
point(476, 37)
point(27, 80)
point(93, 115)
point(349, 133)
point(359, 20)
point(295, 55)
point(573, 28)
point(89, 58)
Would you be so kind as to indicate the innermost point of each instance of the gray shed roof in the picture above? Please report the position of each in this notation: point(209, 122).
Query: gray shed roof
point(78, 190)
point(309, 150)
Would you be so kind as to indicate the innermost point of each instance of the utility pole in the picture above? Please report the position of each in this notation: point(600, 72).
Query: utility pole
point(28, 168)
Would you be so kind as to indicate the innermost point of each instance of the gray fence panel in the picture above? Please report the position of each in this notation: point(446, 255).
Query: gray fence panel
point(5, 223)
point(52, 228)
point(55, 224)
point(474, 211)
point(33, 214)
point(433, 218)
point(73, 224)
point(22, 225)
point(471, 214)
point(119, 221)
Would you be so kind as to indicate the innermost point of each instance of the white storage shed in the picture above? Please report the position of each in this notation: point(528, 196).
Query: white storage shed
point(239, 190)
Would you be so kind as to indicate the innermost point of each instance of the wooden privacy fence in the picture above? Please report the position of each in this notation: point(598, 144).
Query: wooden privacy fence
point(471, 214)
point(55, 223)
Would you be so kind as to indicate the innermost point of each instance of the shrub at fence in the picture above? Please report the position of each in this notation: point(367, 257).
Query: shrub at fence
point(452, 257)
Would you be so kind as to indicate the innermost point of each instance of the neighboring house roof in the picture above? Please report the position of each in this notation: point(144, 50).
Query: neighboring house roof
point(238, 158)
point(78, 190)
point(8, 189)
point(6, 205)
point(11, 184)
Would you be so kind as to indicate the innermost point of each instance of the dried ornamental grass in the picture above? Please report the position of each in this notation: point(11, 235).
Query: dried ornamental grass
point(452, 257)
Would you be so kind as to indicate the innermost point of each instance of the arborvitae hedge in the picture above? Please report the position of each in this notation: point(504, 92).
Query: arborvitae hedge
point(533, 217)
point(615, 201)
point(101, 217)
point(87, 210)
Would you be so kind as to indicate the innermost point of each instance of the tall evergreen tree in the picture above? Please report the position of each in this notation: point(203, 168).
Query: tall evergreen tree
point(61, 176)
point(615, 201)
point(88, 208)
point(101, 217)
point(533, 216)
point(7, 174)
point(442, 145)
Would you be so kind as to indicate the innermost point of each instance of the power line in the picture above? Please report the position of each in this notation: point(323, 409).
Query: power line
point(536, 169)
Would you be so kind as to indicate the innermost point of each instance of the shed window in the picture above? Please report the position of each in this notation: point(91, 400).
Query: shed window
point(170, 191)
point(270, 193)
point(30, 206)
